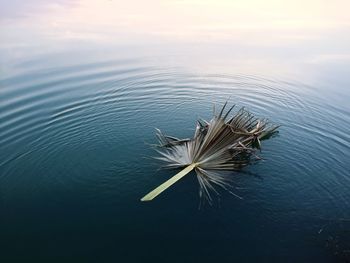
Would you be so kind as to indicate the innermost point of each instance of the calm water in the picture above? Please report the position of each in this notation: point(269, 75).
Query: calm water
point(79, 103)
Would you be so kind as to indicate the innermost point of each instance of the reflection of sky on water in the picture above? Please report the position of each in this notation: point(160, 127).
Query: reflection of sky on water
point(261, 22)
point(256, 35)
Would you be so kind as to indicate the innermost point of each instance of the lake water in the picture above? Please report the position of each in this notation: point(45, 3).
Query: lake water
point(83, 86)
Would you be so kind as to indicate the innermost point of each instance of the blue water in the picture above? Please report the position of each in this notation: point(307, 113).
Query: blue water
point(76, 117)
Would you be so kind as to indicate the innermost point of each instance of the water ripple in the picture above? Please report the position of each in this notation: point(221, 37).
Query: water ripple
point(113, 106)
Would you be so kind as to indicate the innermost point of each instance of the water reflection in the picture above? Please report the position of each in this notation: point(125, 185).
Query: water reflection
point(84, 83)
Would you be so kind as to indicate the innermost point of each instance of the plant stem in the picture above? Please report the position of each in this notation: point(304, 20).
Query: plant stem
point(167, 184)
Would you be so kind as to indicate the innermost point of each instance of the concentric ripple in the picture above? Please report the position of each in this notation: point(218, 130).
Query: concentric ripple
point(80, 133)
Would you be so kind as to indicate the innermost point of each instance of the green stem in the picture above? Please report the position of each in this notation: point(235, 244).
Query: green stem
point(167, 184)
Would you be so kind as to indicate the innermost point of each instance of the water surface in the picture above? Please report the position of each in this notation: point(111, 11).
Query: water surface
point(82, 89)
